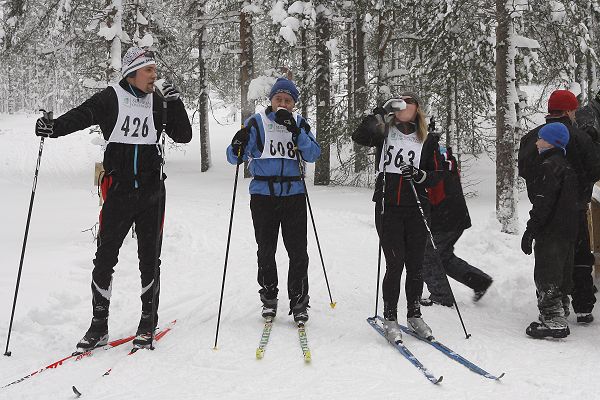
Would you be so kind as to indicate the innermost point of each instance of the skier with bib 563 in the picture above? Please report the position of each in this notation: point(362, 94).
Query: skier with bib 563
point(131, 116)
point(270, 140)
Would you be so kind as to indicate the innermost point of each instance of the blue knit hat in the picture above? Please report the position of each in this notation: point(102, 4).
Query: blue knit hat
point(555, 133)
point(286, 86)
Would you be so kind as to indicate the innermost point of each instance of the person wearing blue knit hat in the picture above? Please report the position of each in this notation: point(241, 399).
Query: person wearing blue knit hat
point(553, 226)
point(278, 142)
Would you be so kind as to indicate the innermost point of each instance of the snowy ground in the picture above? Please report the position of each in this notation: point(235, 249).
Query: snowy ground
point(350, 361)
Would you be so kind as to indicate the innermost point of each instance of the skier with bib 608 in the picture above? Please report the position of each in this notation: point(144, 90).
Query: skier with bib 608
point(271, 141)
point(406, 155)
point(131, 116)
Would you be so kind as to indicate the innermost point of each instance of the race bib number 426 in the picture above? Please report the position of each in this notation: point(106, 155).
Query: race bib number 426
point(134, 127)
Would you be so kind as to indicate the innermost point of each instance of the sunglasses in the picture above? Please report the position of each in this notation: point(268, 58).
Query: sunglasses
point(409, 100)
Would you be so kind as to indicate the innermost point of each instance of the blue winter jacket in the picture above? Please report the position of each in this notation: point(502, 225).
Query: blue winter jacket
point(275, 167)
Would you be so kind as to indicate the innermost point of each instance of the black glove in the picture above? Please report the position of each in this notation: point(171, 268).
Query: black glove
point(527, 241)
point(409, 172)
point(285, 118)
point(170, 92)
point(44, 127)
point(239, 142)
point(379, 111)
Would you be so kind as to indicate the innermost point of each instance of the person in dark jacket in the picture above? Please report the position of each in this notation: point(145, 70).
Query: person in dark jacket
point(588, 118)
point(583, 154)
point(449, 219)
point(405, 156)
point(553, 226)
point(131, 117)
point(278, 142)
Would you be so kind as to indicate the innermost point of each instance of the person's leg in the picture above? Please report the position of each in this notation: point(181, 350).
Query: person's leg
point(294, 231)
point(583, 283)
point(266, 219)
point(434, 274)
point(415, 239)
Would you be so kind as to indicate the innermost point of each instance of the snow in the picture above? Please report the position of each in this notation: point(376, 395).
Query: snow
point(350, 361)
point(558, 11)
point(260, 87)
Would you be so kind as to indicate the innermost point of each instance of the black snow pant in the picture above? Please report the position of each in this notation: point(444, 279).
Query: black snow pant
point(121, 209)
point(289, 212)
point(552, 274)
point(403, 237)
point(583, 282)
point(443, 261)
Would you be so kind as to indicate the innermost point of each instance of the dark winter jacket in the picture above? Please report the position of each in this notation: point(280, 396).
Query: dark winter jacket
point(120, 160)
point(280, 171)
point(583, 154)
point(370, 133)
point(553, 190)
point(449, 212)
point(588, 119)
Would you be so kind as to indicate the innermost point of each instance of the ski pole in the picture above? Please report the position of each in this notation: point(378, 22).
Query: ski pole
point(312, 218)
point(159, 220)
point(235, 181)
point(48, 116)
point(412, 185)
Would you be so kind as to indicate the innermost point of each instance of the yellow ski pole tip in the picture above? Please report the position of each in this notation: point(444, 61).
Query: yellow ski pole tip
point(333, 304)
point(215, 348)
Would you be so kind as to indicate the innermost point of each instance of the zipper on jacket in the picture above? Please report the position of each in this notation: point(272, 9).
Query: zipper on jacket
point(135, 169)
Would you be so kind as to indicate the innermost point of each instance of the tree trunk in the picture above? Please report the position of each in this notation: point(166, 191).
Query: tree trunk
point(205, 161)
point(303, 76)
point(322, 83)
point(246, 64)
point(506, 120)
point(361, 93)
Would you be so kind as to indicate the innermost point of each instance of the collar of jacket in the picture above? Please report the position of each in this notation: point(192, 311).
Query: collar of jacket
point(406, 127)
point(556, 150)
point(136, 92)
point(564, 119)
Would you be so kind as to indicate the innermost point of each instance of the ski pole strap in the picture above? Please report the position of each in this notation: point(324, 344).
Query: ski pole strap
point(278, 179)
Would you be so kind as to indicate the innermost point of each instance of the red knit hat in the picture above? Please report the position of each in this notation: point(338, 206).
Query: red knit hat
point(562, 100)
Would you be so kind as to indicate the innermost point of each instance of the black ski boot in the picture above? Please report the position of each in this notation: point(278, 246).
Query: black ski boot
point(96, 335)
point(143, 336)
point(585, 318)
point(481, 291)
point(269, 308)
point(555, 327)
point(300, 311)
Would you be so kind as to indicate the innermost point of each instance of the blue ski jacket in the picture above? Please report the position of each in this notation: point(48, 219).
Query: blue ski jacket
point(278, 176)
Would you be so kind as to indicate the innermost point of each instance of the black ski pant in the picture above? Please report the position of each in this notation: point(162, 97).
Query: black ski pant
point(438, 263)
point(403, 236)
point(121, 209)
point(583, 282)
point(552, 274)
point(268, 214)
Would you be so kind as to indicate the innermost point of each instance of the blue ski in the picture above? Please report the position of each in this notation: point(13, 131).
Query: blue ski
point(405, 352)
point(452, 354)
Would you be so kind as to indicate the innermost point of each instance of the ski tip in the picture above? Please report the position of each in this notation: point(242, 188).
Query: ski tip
point(441, 378)
point(500, 376)
point(332, 305)
point(77, 392)
point(307, 357)
point(260, 353)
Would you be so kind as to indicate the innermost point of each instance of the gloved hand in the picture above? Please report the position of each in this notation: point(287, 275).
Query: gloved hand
point(239, 142)
point(393, 105)
point(170, 92)
point(285, 118)
point(379, 111)
point(527, 241)
point(409, 172)
point(44, 127)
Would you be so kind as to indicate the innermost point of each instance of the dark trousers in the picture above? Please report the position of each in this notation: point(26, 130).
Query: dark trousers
point(403, 237)
point(552, 274)
point(438, 263)
point(268, 214)
point(583, 282)
point(120, 210)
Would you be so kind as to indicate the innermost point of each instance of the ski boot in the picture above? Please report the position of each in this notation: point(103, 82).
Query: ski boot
point(269, 308)
point(420, 327)
point(143, 336)
point(584, 318)
point(392, 330)
point(480, 292)
point(300, 311)
point(429, 301)
point(96, 336)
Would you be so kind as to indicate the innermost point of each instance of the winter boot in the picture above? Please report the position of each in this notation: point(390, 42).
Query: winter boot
point(392, 330)
point(143, 336)
point(96, 335)
point(584, 318)
point(269, 308)
point(300, 311)
point(481, 291)
point(420, 327)
point(553, 327)
point(431, 301)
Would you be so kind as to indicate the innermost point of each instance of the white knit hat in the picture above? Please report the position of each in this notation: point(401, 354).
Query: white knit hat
point(136, 58)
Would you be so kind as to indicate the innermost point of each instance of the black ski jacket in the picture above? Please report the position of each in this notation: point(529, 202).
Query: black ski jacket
point(119, 159)
point(588, 119)
point(583, 154)
point(553, 190)
point(370, 133)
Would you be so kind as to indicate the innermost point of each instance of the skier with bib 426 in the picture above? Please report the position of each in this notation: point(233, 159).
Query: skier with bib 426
point(131, 116)
point(406, 155)
point(276, 141)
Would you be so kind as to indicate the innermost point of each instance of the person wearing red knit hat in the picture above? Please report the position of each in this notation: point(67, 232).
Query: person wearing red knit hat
point(584, 157)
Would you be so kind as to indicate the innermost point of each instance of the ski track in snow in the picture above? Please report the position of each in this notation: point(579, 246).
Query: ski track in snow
point(350, 361)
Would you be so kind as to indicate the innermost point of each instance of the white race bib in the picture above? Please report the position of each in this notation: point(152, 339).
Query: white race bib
point(278, 140)
point(400, 149)
point(135, 123)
